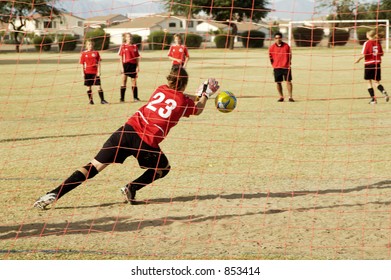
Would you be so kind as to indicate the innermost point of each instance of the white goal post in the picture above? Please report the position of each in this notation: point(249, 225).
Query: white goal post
point(385, 22)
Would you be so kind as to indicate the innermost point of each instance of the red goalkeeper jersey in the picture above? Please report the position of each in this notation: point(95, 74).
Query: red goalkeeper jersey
point(90, 61)
point(166, 106)
point(280, 56)
point(372, 51)
point(129, 53)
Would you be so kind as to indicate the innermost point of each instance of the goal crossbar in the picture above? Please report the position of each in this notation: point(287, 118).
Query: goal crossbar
point(385, 21)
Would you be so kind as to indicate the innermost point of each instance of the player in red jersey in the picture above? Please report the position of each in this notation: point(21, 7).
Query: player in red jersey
point(90, 60)
point(372, 51)
point(140, 137)
point(129, 58)
point(178, 53)
point(281, 58)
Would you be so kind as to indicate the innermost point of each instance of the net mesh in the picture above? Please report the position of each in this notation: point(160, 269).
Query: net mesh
point(270, 180)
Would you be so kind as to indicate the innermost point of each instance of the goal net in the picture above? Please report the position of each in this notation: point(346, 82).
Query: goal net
point(270, 180)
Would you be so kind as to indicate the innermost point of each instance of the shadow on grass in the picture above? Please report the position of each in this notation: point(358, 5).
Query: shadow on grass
point(128, 224)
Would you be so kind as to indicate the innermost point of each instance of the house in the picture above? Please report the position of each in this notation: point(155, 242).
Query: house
point(105, 20)
point(65, 23)
point(208, 29)
point(143, 26)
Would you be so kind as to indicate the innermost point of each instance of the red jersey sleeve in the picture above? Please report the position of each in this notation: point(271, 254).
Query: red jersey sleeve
point(170, 51)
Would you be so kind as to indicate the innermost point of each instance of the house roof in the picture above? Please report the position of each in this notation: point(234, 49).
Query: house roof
point(38, 16)
point(106, 18)
point(142, 22)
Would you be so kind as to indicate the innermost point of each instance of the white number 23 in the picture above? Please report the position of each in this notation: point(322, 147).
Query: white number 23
point(163, 112)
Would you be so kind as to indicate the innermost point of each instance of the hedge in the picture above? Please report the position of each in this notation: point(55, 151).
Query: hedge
point(66, 42)
point(43, 43)
point(159, 40)
point(222, 41)
point(137, 39)
point(338, 37)
point(193, 40)
point(99, 37)
point(307, 37)
point(253, 39)
point(362, 33)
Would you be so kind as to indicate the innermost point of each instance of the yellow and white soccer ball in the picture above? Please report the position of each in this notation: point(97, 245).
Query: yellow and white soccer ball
point(225, 101)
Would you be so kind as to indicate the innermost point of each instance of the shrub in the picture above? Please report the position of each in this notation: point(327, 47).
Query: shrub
point(222, 41)
point(159, 40)
point(307, 37)
point(99, 37)
point(137, 40)
point(43, 43)
point(362, 34)
point(253, 39)
point(338, 37)
point(66, 42)
point(193, 40)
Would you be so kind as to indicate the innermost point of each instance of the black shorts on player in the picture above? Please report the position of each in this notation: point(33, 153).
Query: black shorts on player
point(125, 142)
point(372, 72)
point(282, 74)
point(130, 70)
point(91, 80)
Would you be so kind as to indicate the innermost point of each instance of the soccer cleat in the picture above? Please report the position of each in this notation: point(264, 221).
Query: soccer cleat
point(92, 102)
point(104, 102)
point(122, 100)
point(130, 194)
point(386, 96)
point(281, 99)
point(45, 200)
point(373, 101)
point(291, 99)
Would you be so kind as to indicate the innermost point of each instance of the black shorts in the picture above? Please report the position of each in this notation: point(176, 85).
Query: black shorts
point(91, 80)
point(372, 72)
point(282, 74)
point(125, 142)
point(130, 70)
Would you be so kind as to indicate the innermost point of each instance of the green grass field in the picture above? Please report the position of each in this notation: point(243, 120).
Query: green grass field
point(303, 180)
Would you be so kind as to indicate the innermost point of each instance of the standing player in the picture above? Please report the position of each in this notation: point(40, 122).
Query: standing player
point(129, 58)
point(372, 51)
point(140, 137)
point(178, 53)
point(281, 59)
point(90, 60)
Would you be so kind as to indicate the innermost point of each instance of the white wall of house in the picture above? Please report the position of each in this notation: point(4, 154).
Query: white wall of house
point(172, 25)
point(66, 24)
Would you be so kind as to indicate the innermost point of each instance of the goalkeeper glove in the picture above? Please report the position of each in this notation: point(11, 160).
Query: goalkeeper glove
point(208, 88)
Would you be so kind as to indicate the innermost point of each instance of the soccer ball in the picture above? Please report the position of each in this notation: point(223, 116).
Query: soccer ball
point(225, 102)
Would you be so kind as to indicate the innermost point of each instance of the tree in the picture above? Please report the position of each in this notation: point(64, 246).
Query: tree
point(381, 10)
point(225, 11)
point(17, 13)
point(344, 10)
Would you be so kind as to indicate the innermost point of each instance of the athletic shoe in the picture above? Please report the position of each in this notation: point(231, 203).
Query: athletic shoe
point(291, 99)
point(45, 200)
point(373, 101)
point(122, 100)
point(92, 102)
point(104, 102)
point(386, 96)
point(281, 99)
point(129, 193)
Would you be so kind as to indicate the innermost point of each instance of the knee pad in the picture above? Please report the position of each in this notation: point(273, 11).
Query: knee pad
point(91, 170)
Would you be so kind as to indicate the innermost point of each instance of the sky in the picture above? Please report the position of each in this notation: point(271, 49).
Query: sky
point(284, 9)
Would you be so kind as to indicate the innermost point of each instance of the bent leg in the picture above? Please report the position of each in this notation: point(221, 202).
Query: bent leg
point(78, 177)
